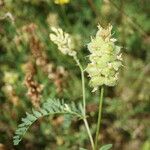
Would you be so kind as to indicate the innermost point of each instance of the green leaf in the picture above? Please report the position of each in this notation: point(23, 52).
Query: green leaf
point(36, 113)
point(16, 142)
point(44, 112)
point(106, 147)
point(26, 121)
point(21, 125)
point(50, 107)
point(31, 117)
point(82, 148)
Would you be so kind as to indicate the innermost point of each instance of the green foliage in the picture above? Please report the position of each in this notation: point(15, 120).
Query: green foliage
point(146, 145)
point(106, 147)
point(50, 107)
point(82, 149)
point(126, 108)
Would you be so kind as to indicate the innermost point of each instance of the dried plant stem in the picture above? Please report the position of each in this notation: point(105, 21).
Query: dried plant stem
point(99, 116)
point(84, 102)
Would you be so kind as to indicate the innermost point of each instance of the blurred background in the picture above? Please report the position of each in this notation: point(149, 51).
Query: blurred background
point(32, 70)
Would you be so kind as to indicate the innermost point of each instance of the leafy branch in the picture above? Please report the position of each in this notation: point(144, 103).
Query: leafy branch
point(50, 107)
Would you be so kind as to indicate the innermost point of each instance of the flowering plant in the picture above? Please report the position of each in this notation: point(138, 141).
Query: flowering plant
point(105, 61)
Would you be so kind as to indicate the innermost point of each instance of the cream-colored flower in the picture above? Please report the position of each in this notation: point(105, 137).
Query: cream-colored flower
point(105, 59)
point(63, 41)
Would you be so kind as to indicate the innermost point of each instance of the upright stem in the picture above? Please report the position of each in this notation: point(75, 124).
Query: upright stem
point(83, 89)
point(84, 102)
point(99, 116)
point(83, 83)
point(89, 132)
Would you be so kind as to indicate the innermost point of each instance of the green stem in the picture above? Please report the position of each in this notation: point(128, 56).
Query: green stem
point(84, 102)
point(83, 89)
point(83, 83)
point(89, 132)
point(99, 116)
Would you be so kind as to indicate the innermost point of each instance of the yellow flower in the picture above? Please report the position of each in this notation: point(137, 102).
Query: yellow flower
point(61, 2)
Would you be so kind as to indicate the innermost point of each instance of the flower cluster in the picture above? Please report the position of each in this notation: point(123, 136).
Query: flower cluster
point(105, 59)
point(61, 2)
point(63, 41)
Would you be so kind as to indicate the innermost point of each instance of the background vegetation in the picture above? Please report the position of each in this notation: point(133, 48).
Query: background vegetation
point(26, 51)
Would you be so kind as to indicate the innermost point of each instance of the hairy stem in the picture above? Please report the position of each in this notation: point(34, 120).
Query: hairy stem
point(99, 116)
